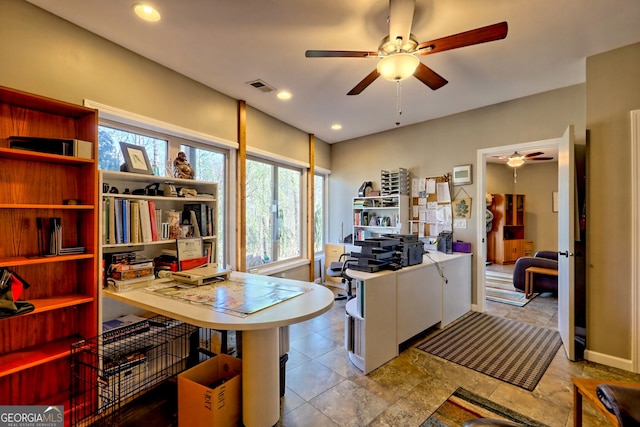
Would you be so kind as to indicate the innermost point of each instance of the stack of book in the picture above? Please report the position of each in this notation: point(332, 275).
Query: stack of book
point(128, 271)
point(139, 221)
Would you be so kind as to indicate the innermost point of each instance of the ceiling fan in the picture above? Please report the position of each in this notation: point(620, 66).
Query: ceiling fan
point(398, 51)
point(516, 159)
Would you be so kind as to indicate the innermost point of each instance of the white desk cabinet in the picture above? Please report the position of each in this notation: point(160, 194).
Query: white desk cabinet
point(393, 306)
point(419, 300)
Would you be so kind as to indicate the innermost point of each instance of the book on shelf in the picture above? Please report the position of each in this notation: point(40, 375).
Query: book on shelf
point(118, 220)
point(135, 222)
point(153, 220)
point(112, 221)
point(201, 217)
point(145, 219)
point(126, 221)
point(55, 236)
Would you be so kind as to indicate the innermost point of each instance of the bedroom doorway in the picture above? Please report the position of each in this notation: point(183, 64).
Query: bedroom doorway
point(565, 230)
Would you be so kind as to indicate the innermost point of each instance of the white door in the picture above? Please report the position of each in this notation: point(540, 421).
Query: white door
point(566, 239)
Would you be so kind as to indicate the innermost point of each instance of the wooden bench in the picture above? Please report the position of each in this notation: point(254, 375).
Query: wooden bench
point(528, 280)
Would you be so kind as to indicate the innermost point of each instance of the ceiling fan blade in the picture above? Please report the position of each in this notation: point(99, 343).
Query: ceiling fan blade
point(364, 83)
point(339, 54)
point(400, 19)
point(537, 153)
point(467, 38)
point(540, 158)
point(429, 77)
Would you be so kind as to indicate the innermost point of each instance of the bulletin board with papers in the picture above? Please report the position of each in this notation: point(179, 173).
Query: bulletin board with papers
point(431, 211)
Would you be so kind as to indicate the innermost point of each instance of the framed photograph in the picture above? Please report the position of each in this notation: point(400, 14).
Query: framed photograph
point(462, 175)
point(136, 159)
point(554, 201)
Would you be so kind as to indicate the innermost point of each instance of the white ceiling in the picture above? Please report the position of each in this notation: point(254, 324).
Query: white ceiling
point(225, 44)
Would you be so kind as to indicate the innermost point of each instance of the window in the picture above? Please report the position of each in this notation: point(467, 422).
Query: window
point(110, 156)
point(274, 213)
point(319, 214)
point(210, 166)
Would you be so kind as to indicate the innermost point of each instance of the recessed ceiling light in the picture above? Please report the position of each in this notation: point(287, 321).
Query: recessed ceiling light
point(146, 12)
point(336, 126)
point(283, 94)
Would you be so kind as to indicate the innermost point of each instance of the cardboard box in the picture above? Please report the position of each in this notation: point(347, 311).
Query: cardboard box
point(204, 399)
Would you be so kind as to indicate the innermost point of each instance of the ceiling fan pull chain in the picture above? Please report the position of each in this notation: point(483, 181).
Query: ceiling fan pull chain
point(398, 101)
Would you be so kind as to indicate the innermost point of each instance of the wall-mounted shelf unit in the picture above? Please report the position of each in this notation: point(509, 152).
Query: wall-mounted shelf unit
point(376, 215)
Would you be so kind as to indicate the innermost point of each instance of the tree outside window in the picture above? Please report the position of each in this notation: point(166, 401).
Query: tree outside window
point(274, 217)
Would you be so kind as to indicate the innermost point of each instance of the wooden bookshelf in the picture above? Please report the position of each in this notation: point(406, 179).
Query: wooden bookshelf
point(35, 347)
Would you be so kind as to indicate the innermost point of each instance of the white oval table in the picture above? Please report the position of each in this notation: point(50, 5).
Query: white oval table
point(260, 337)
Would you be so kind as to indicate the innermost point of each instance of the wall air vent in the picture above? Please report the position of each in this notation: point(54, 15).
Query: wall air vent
point(261, 86)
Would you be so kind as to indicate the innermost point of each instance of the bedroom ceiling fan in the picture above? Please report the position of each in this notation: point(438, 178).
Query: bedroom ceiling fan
point(398, 52)
point(516, 159)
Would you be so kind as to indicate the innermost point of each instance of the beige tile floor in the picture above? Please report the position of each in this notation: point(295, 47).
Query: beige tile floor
point(324, 389)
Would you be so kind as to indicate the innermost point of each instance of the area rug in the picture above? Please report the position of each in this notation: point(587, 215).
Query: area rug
point(506, 296)
point(511, 351)
point(499, 287)
point(464, 405)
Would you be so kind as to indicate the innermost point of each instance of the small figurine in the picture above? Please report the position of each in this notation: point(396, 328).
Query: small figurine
point(181, 167)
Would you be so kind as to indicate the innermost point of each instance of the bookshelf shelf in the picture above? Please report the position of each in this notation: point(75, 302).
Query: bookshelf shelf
point(42, 206)
point(158, 242)
point(34, 363)
point(13, 154)
point(30, 357)
point(36, 260)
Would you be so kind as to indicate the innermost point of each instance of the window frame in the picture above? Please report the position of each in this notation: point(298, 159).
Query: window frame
point(280, 264)
point(127, 121)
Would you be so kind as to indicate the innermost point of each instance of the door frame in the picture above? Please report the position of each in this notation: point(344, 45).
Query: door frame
point(635, 240)
point(481, 171)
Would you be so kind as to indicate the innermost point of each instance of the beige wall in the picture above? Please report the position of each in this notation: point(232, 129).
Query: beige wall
point(613, 90)
point(434, 147)
point(536, 181)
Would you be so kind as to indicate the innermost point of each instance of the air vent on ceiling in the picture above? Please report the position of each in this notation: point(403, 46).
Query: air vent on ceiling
point(262, 86)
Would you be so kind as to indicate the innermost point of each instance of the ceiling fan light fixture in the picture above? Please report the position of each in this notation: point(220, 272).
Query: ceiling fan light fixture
point(398, 66)
point(146, 12)
point(514, 162)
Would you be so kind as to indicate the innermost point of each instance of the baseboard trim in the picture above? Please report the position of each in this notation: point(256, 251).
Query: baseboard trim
point(608, 360)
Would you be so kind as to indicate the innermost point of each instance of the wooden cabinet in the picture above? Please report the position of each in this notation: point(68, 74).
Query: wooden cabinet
point(507, 236)
point(376, 215)
point(36, 187)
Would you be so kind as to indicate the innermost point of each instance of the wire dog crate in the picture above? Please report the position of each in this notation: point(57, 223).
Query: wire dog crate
point(114, 368)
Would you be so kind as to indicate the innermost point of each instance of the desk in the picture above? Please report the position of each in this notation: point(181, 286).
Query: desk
point(586, 387)
point(528, 281)
point(398, 305)
point(260, 338)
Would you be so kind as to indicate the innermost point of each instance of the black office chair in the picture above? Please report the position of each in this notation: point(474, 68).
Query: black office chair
point(339, 269)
